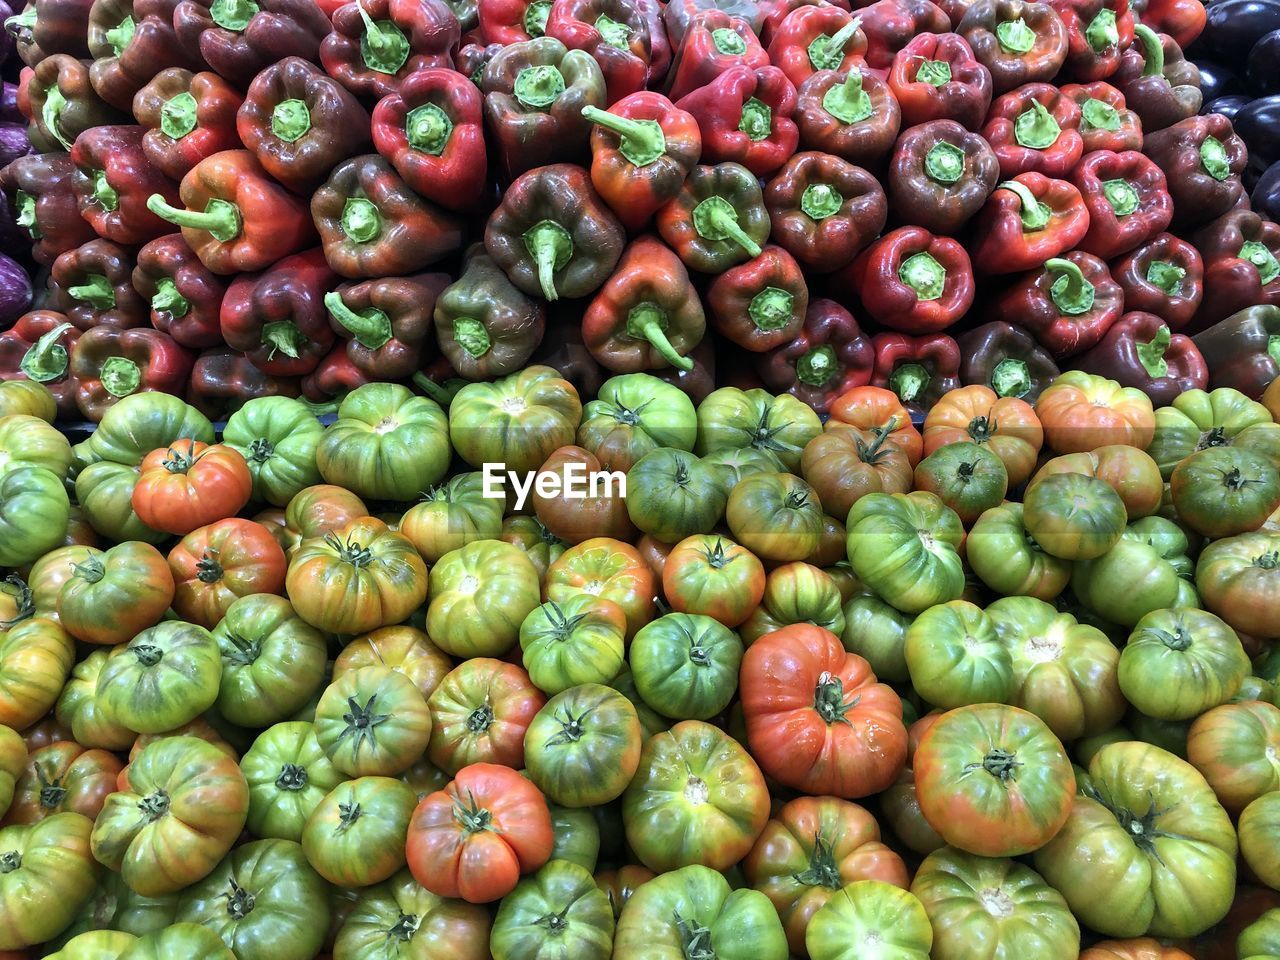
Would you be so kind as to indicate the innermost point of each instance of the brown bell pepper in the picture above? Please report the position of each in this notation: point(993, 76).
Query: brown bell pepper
point(1027, 221)
point(1035, 128)
point(43, 28)
point(891, 24)
point(718, 218)
point(1127, 198)
point(131, 41)
point(237, 38)
point(1164, 276)
point(1140, 351)
point(1005, 358)
point(940, 176)
point(109, 364)
point(45, 205)
point(1243, 350)
point(1241, 254)
point(188, 116)
point(185, 295)
point(1159, 84)
point(1018, 41)
point(745, 117)
point(1106, 123)
point(114, 181)
point(92, 285)
point(1068, 305)
point(375, 45)
point(1098, 32)
point(223, 381)
point(935, 77)
point(714, 42)
point(830, 355)
point(386, 322)
point(38, 347)
point(484, 325)
point(60, 103)
point(1202, 159)
point(912, 281)
point(614, 32)
point(918, 369)
point(853, 115)
point(817, 37)
point(760, 304)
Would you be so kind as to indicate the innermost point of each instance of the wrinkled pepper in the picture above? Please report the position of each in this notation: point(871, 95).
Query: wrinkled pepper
point(1202, 159)
point(237, 38)
point(1027, 221)
point(1018, 41)
point(386, 322)
point(43, 28)
point(1241, 254)
point(912, 281)
point(1006, 358)
point(512, 21)
point(935, 77)
point(223, 381)
point(44, 204)
point(92, 286)
point(188, 116)
point(818, 37)
point(1106, 122)
point(714, 42)
point(185, 296)
point(1068, 305)
point(830, 355)
point(760, 304)
point(277, 318)
point(941, 175)
point(485, 327)
point(472, 58)
point(38, 347)
point(718, 218)
point(1127, 198)
point(1098, 32)
point(60, 103)
point(376, 44)
point(1183, 20)
point(114, 181)
point(918, 369)
point(853, 115)
point(1243, 350)
point(132, 40)
point(1159, 84)
point(1164, 276)
point(614, 32)
point(1140, 351)
point(109, 364)
point(745, 117)
point(1035, 129)
point(890, 25)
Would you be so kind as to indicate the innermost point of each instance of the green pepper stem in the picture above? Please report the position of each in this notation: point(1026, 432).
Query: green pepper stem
point(1035, 215)
point(826, 52)
point(1152, 50)
point(756, 120)
point(820, 201)
point(1011, 378)
point(51, 114)
point(220, 218)
point(923, 274)
point(96, 290)
point(1166, 276)
point(818, 366)
point(179, 115)
point(538, 86)
point(25, 205)
point(909, 381)
point(283, 336)
point(728, 42)
point(1262, 258)
point(648, 321)
point(120, 376)
point(47, 359)
point(551, 247)
point(372, 329)
point(168, 299)
point(428, 129)
point(290, 120)
point(847, 101)
point(1151, 353)
point(771, 308)
point(1015, 36)
point(1035, 128)
point(1071, 293)
point(384, 47)
point(936, 73)
point(716, 219)
point(233, 15)
point(642, 141)
point(472, 336)
point(1101, 32)
point(1213, 157)
point(119, 36)
point(842, 36)
point(26, 20)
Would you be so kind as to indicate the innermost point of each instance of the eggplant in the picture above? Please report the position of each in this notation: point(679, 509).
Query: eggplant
point(1217, 80)
point(8, 45)
point(9, 112)
point(1227, 106)
point(13, 142)
point(1234, 26)
point(15, 291)
point(1258, 125)
point(1262, 71)
point(1265, 198)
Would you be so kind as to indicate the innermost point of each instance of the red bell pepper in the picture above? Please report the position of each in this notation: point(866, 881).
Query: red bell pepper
point(614, 32)
point(717, 219)
point(1098, 32)
point(1005, 358)
point(1243, 351)
point(506, 22)
point(1127, 198)
point(679, 14)
point(940, 176)
point(131, 40)
point(38, 347)
point(1241, 254)
point(278, 318)
point(1106, 123)
point(223, 381)
point(852, 115)
point(58, 100)
point(44, 203)
point(237, 38)
point(912, 281)
point(335, 377)
point(1164, 276)
point(1140, 351)
point(42, 29)
point(714, 42)
point(817, 38)
point(113, 181)
point(774, 12)
point(432, 132)
point(92, 286)
point(1202, 159)
point(1019, 41)
point(935, 77)
point(745, 117)
point(1183, 20)
point(375, 45)
point(918, 369)
point(760, 304)
point(828, 357)
point(1027, 221)
point(472, 58)
point(660, 48)
point(1160, 85)
point(386, 322)
point(188, 116)
point(1035, 129)
point(891, 24)
point(1068, 305)
point(184, 294)
point(109, 364)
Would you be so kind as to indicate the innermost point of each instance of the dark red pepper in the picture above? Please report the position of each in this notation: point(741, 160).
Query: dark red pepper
point(563, 349)
point(1183, 20)
point(1019, 41)
point(760, 304)
point(941, 175)
point(505, 22)
point(714, 42)
point(1202, 159)
point(614, 32)
point(472, 58)
point(38, 347)
point(1164, 276)
point(818, 37)
point(131, 40)
point(1027, 221)
point(1140, 351)
point(853, 115)
point(237, 38)
point(113, 182)
point(1106, 122)
point(829, 356)
point(386, 322)
point(375, 45)
point(335, 377)
point(45, 205)
point(891, 24)
point(1160, 85)
point(1007, 359)
point(918, 369)
point(46, 27)
point(1068, 305)
point(188, 116)
point(109, 364)
point(93, 286)
point(1241, 254)
point(1128, 201)
point(1035, 128)
point(912, 281)
point(1098, 32)
point(935, 77)
point(185, 296)
point(698, 382)
point(745, 117)
point(223, 381)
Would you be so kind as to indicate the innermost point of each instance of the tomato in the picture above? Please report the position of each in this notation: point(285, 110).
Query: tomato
point(34, 513)
point(83, 714)
point(1143, 948)
point(1179, 663)
point(1073, 516)
point(900, 804)
point(278, 437)
point(402, 919)
point(143, 422)
point(1009, 560)
point(356, 578)
point(1081, 412)
point(816, 718)
point(180, 808)
point(1007, 426)
point(672, 494)
point(318, 510)
point(452, 515)
point(27, 397)
point(164, 677)
point(92, 945)
point(216, 565)
point(730, 418)
point(634, 414)
point(651, 721)
point(35, 658)
point(110, 597)
point(968, 477)
point(1197, 420)
point(1132, 474)
point(870, 408)
point(48, 875)
point(61, 778)
point(355, 836)
point(713, 576)
point(288, 775)
point(587, 501)
point(179, 940)
point(1258, 825)
point(694, 906)
point(372, 722)
point(1236, 747)
point(27, 441)
point(105, 494)
point(579, 641)
point(734, 463)
point(993, 907)
point(877, 632)
point(903, 546)
point(1260, 939)
point(1176, 885)
point(870, 918)
point(1224, 491)
point(404, 649)
point(477, 836)
point(539, 544)
point(955, 657)
point(686, 665)
point(577, 835)
point(604, 568)
point(776, 516)
point(114, 905)
point(844, 463)
point(620, 884)
point(516, 420)
point(1239, 579)
point(479, 714)
point(480, 594)
point(583, 746)
point(560, 909)
point(190, 484)
point(796, 593)
point(13, 762)
point(1129, 581)
point(809, 850)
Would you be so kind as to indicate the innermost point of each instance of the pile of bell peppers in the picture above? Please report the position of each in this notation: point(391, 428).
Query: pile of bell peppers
point(225, 199)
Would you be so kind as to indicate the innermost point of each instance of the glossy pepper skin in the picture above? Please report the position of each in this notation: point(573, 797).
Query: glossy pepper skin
point(824, 210)
point(432, 132)
point(642, 150)
point(1241, 265)
point(1127, 198)
point(776, 11)
point(935, 77)
point(222, 381)
point(614, 32)
point(300, 123)
point(1028, 220)
point(131, 40)
point(1007, 359)
point(113, 182)
point(376, 44)
point(38, 347)
point(92, 285)
point(386, 322)
point(1183, 20)
point(553, 235)
point(1243, 350)
point(484, 325)
point(277, 318)
point(60, 103)
point(109, 364)
point(1159, 84)
point(45, 205)
point(1068, 305)
point(333, 379)
point(891, 24)
point(372, 225)
point(853, 115)
point(1035, 129)
point(827, 357)
point(43, 28)
point(760, 304)
point(1164, 276)
point(918, 369)
point(940, 176)
point(1140, 351)
point(717, 219)
point(1098, 32)
point(647, 315)
point(188, 116)
point(237, 38)
point(912, 281)
point(714, 42)
point(235, 217)
point(678, 15)
point(1106, 122)
point(534, 93)
point(1202, 159)
point(1018, 41)
point(185, 297)
point(745, 117)
point(818, 37)
point(512, 21)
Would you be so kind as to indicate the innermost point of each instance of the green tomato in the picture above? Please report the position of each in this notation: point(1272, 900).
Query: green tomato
point(27, 441)
point(730, 419)
point(34, 513)
point(355, 836)
point(903, 547)
point(734, 463)
point(634, 414)
point(1009, 560)
point(95, 945)
point(452, 515)
point(651, 721)
point(1258, 828)
point(581, 640)
point(968, 477)
point(480, 594)
point(777, 516)
point(1073, 516)
point(517, 420)
point(372, 722)
point(278, 438)
point(1197, 420)
point(877, 632)
point(577, 835)
point(686, 665)
point(869, 920)
point(400, 920)
point(1126, 583)
point(583, 747)
point(671, 494)
point(796, 593)
point(558, 911)
point(1261, 939)
point(46, 874)
point(1224, 491)
point(955, 657)
point(104, 491)
point(288, 775)
point(179, 940)
point(142, 422)
point(164, 677)
point(1179, 663)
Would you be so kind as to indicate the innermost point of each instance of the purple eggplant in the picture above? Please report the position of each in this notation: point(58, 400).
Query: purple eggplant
point(15, 291)
point(9, 112)
point(13, 142)
point(8, 46)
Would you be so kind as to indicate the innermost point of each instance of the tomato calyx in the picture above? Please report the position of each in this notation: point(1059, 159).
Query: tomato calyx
point(405, 927)
point(695, 939)
point(717, 556)
point(362, 723)
point(1213, 437)
point(1141, 829)
point(762, 438)
point(240, 902)
point(148, 654)
point(292, 777)
point(179, 462)
point(875, 452)
point(1236, 481)
point(571, 728)
point(52, 792)
point(625, 415)
point(350, 551)
point(261, 450)
point(829, 701)
point(481, 718)
point(208, 569)
point(1000, 763)
point(25, 602)
point(472, 817)
point(796, 499)
point(10, 861)
point(91, 570)
point(244, 652)
point(699, 655)
point(981, 429)
point(555, 923)
point(562, 627)
point(1178, 640)
point(1267, 561)
point(154, 805)
point(348, 814)
point(822, 871)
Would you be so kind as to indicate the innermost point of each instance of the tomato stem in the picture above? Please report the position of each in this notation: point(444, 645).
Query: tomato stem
point(292, 777)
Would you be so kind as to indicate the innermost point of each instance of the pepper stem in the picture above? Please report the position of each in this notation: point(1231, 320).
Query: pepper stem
point(1097, 114)
point(179, 115)
point(120, 377)
point(1166, 276)
point(432, 389)
point(290, 120)
point(944, 162)
point(1121, 195)
point(361, 221)
point(472, 336)
point(26, 20)
point(1071, 293)
point(384, 46)
point(1213, 157)
point(220, 218)
point(909, 381)
point(771, 308)
point(820, 200)
point(371, 328)
point(168, 300)
point(25, 205)
point(923, 274)
point(1011, 378)
point(539, 86)
point(1035, 215)
point(1152, 48)
point(642, 141)
point(757, 120)
point(428, 129)
point(1151, 353)
point(233, 15)
point(933, 72)
point(1263, 260)
point(283, 336)
point(535, 18)
point(119, 36)
point(51, 114)
point(1035, 128)
point(1101, 32)
point(716, 219)
point(551, 247)
point(826, 52)
point(728, 42)
point(96, 291)
point(817, 367)
point(1015, 36)
point(847, 101)
point(47, 359)
point(648, 321)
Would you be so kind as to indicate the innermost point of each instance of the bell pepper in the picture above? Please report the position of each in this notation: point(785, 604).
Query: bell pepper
point(472, 58)
point(718, 218)
point(47, 27)
point(824, 210)
point(941, 175)
point(188, 116)
point(38, 347)
point(660, 50)
point(1018, 41)
point(131, 40)
point(1005, 358)
point(918, 369)
point(185, 296)
point(935, 77)
point(1098, 32)
point(1035, 129)
point(236, 218)
point(1159, 84)
point(1027, 221)
point(827, 357)
point(563, 349)
point(853, 115)
point(614, 32)
point(512, 21)
point(334, 378)
point(108, 364)
point(1140, 351)
point(92, 285)
point(760, 304)
point(113, 182)
point(647, 315)
point(1202, 159)
point(534, 93)
point(223, 381)
point(912, 281)
point(45, 205)
point(714, 42)
point(432, 132)
point(1127, 198)
point(774, 12)
point(485, 327)
point(60, 103)
point(890, 25)
point(1068, 305)
point(1164, 276)
point(300, 123)
point(745, 117)
point(1243, 350)
point(237, 38)
point(679, 14)
point(818, 37)
point(697, 383)
point(1241, 254)
point(642, 150)
point(553, 235)
point(468, 14)
point(1106, 123)
point(386, 322)
point(376, 44)
point(373, 225)
point(1183, 20)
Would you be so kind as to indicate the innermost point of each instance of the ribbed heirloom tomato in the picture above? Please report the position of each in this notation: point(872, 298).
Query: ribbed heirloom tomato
point(190, 484)
point(216, 565)
point(712, 575)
